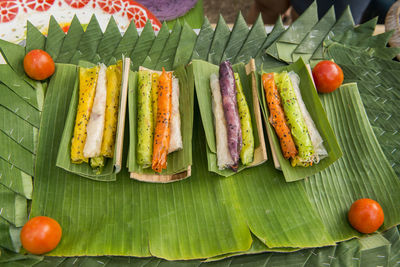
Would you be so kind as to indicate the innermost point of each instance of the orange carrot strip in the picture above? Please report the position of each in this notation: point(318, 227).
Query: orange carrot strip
point(162, 130)
point(277, 116)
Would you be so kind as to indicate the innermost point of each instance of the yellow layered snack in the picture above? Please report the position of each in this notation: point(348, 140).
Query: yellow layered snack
point(154, 94)
point(114, 77)
point(87, 91)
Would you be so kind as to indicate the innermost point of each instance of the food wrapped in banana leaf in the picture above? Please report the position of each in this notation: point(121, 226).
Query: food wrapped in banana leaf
point(231, 116)
point(97, 108)
point(299, 137)
point(155, 108)
point(302, 140)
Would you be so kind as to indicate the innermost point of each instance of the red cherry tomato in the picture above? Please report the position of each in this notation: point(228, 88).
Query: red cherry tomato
point(328, 76)
point(38, 65)
point(40, 235)
point(366, 215)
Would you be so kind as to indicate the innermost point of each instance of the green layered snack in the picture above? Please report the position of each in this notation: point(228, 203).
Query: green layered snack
point(247, 152)
point(145, 127)
point(295, 120)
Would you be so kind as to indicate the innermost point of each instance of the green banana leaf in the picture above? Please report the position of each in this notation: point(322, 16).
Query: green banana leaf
point(362, 172)
point(15, 154)
point(374, 251)
point(202, 71)
point(13, 207)
point(9, 239)
point(89, 42)
point(285, 45)
point(68, 77)
point(262, 58)
point(55, 39)
point(126, 43)
point(157, 47)
point(110, 41)
point(71, 41)
point(238, 35)
point(219, 41)
point(15, 179)
point(358, 34)
point(20, 87)
point(203, 42)
point(392, 235)
point(315, 37)
point(18, 129)
point(178, 161)
point(253, 42)
point(163, 228)
point(185, 46)
point(316, 110)
point(34, 38)
point(18, 106)
point(346, 253)
point(142, 46)
point(167, 55)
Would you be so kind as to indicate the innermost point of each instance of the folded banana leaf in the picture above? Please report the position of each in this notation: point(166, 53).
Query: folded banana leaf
point(219, 41)
point(20, 87)
point(168, 52)
point(157, 47)
point(9, 239)
point(55, 39)
point(179, 162)
point(126, 43)
point(13, 207)
point(285, 45)
point(264, 58)
point(71, 41)
point(18, 129)
point(185, 46)
point(253, 42)
point(203, 42)
point(143, 46)
point(202, 71)
point(371, 246)
point(316, 110)
point(89, 42)
point(15, 154)
point(12, 102)
point(112, 166)
point(237, 37)
point(34, 38)
point(315, 37)
point(392, 235)
point(15, 179)
point(109, 42)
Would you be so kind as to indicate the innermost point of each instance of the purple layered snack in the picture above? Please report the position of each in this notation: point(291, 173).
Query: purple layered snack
point(168, 9)
point(229, 103)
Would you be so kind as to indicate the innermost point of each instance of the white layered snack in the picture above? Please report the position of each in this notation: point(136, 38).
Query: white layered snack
point(316, 139)
point(224, 158)
point(175, 141)
point(95, 127)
